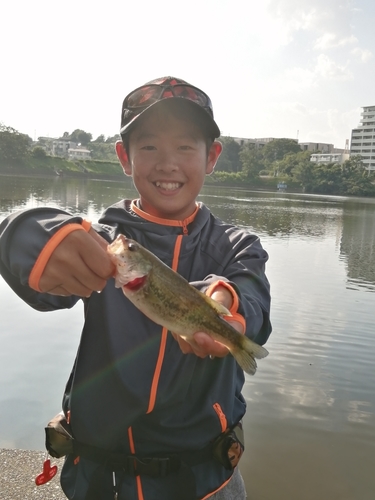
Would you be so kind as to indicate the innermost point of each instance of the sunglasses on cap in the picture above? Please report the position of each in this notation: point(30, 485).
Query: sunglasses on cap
point(143, 97)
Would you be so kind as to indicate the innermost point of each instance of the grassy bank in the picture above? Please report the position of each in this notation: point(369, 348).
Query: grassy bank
point(54, 165)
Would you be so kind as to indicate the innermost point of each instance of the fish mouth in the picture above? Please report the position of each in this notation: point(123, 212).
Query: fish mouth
point(168, 185)
point(135, 284)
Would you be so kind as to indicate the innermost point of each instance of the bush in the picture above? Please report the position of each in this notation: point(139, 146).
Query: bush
point(38, 152)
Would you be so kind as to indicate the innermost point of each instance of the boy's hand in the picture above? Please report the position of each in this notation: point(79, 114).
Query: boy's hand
point(202, 345)
point(79, 266)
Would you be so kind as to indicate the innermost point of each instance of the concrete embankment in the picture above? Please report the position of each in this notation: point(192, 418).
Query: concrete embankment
point(18, 470)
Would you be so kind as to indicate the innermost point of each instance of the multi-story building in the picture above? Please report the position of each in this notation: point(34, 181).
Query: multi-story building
point(322, 147)
point(79, 154)
point(363, 138)
point(259, 143)
point(56, 147)
point(60, 147)
point(64, 148)
point(329, 157)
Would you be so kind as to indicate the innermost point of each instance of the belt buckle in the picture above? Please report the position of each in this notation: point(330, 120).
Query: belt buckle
point(154, 467)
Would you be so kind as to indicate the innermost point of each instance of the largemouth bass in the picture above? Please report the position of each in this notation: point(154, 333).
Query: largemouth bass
point(169, 300)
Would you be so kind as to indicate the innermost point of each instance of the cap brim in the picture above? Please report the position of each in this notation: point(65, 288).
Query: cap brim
point(212, 128)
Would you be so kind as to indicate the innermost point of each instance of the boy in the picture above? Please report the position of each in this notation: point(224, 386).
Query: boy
point(148, 421)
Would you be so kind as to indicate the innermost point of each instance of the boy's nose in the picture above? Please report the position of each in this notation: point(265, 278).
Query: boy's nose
point(167, 163)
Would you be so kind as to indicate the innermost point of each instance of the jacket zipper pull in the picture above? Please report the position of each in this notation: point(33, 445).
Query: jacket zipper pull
point(115, 491)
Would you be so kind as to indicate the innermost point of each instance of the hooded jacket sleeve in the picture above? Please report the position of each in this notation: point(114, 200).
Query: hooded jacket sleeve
point(240, 262)
point(23, 235)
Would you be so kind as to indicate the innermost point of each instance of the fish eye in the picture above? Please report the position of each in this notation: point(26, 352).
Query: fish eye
point(132, 247)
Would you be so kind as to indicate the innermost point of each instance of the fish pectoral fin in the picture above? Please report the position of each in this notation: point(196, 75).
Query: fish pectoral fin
point(219, 308)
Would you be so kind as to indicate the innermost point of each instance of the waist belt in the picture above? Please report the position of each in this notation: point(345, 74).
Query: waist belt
point(183, 479)
point(154, 466)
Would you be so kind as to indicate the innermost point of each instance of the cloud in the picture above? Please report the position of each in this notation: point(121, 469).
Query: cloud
point(297, 79)
point(364, 55)
point(295, 14)
point(323, 68)
point(329, 25)
point(317, 15)
point(330, 40)
point(329, 69)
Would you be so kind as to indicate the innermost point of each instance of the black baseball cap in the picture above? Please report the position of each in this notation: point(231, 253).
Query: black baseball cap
point(168, 87)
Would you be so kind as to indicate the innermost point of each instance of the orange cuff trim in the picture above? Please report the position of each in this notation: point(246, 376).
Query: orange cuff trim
point(49, 248)
point(237, 317)
point(86, 224)
point(233, 310)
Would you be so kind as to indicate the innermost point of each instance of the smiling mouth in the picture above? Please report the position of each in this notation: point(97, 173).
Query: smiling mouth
point(168, 186)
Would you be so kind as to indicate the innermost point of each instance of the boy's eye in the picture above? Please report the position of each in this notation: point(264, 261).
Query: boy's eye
point(148, 148)
point(185, 147)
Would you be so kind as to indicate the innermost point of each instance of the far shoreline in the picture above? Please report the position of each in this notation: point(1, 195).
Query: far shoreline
point(269, 184)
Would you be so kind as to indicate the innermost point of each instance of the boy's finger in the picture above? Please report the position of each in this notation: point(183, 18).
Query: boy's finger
point(184, 346)
point(208, 346)
point(95, 256)
point(101, 241)
point(77, 279)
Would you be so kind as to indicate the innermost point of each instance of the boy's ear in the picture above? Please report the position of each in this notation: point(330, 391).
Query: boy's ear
point(122, 155)
point(213, 155)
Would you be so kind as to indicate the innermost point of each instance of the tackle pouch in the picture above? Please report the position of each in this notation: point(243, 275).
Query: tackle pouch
point(59, 439)
point(229, 447)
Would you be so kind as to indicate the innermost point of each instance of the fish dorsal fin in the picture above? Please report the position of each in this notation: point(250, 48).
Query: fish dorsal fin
point(219, 308)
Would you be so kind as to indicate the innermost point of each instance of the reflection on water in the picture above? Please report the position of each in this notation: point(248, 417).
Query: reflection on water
point(310, 424)
point(358, 246)
point(78, 196)
point(280, 216)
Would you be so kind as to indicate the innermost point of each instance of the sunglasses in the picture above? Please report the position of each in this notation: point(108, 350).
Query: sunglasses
point(143, 97)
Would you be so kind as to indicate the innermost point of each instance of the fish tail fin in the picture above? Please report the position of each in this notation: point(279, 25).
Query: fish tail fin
point(246, 352)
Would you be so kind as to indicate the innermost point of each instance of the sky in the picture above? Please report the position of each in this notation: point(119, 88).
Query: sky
point(299, 69)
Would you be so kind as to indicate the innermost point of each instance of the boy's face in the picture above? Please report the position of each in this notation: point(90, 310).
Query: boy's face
point(168, 160)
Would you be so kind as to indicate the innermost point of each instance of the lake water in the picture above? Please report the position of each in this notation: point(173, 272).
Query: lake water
point(310, 424)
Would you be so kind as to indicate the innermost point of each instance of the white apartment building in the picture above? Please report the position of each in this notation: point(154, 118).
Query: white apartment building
point(339, 158)
point(56, 147)
point(79, 154)
point(363, 138)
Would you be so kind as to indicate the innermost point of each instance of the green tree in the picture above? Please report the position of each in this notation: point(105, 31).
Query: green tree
point(328, 179)
point(354, 165)
point(14, 146)
point(356, 179)
point(103, 151)
point(229, 160)
point(112, 139)
point(350, 178)
point(100, 139)
point(252, 161)
point(80, 137)
point(276, 150)
point(291, 161)
point(303, 173)
point(39, 152)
